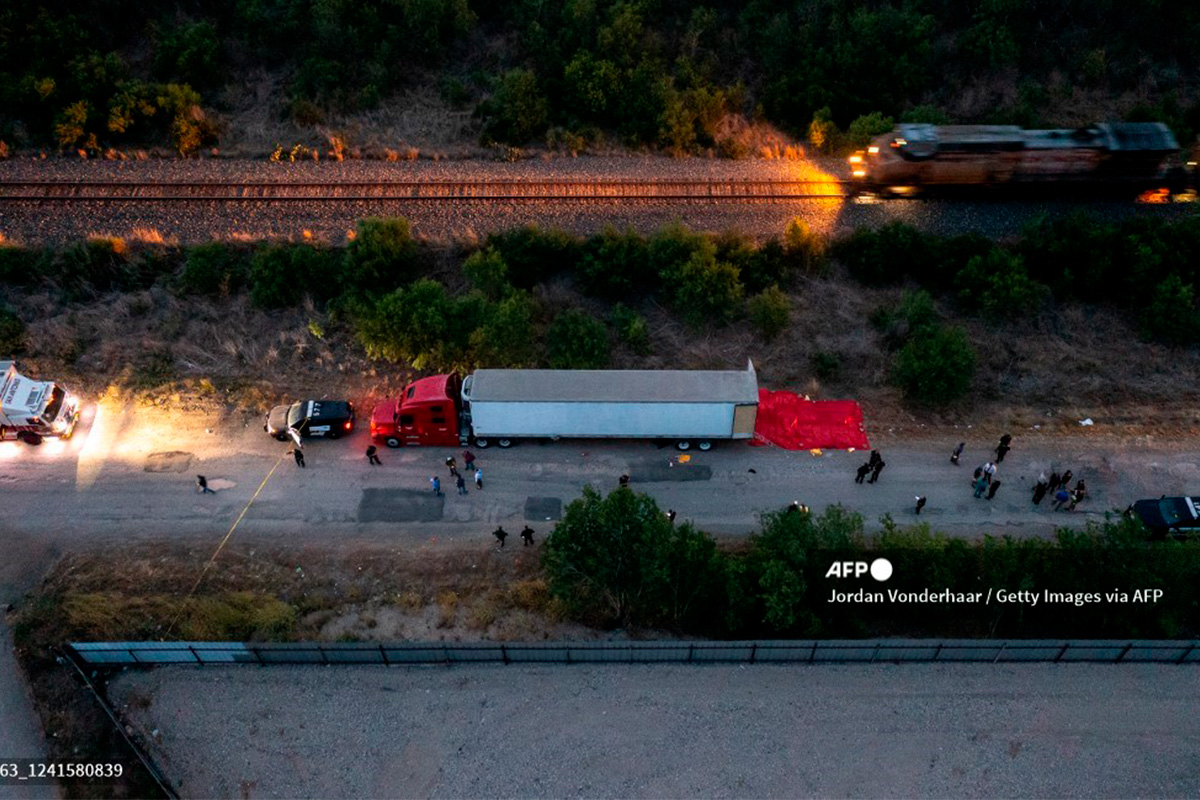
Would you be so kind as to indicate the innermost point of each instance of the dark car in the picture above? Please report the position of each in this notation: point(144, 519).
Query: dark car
point(328, 418)
point(1169, 514)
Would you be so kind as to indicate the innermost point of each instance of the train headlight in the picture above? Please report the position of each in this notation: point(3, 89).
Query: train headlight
point(873, 150)
point(856, 159)
point(859, 173)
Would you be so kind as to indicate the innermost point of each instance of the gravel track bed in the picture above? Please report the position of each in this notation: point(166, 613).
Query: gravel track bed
point(951, 730)
point(35, 223)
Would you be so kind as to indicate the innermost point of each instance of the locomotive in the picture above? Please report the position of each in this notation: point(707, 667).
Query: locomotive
point(1125, 157)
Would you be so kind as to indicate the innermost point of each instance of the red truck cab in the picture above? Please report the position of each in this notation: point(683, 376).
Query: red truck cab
point(426, 413)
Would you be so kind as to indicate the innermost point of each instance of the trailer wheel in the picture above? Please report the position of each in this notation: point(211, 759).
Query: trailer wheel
point(504, 442)
point(704, 446)
point(30, 438)
point(482, 443)
point(392, 442)
point(683, 445)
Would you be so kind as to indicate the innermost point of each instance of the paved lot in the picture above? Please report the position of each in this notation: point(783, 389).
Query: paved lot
point(675, 731)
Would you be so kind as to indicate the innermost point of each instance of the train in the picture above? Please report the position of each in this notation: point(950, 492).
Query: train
point(1125, 157)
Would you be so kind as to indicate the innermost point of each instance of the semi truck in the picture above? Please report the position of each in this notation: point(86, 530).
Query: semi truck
point(33, 410)
point(688, 407)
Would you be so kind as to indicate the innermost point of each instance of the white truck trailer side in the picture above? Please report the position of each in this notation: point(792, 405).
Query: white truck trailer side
point(687, 406)
point(31, 410)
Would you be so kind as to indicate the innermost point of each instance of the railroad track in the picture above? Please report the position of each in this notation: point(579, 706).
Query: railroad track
point(438, 191)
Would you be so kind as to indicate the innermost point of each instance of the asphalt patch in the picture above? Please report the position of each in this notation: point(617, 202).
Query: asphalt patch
point(174, 461)
point(542, 508)
point(660, 473)
point(399, 505)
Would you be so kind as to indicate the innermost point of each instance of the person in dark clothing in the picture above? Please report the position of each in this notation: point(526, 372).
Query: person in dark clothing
point(861, 475)
point(979, 485)
point(527, 535)
point(958, 451)
point(372, 456)
point(1003, 448)
point(1055, 482)
point(879, 465)
point(977, 475)
point(1066, 479)
point(202, 484)
point(623, 480)
point(1006, 439)
point(671, 515)
point(298, 454)
point(460, 484)
point(468, 460)
point(920, 503)
point(875, 458)
point(500, 535)
point(993, 487)
point(1076, 495)
point(1039, 491)
point(452, 465)
point(794, 508)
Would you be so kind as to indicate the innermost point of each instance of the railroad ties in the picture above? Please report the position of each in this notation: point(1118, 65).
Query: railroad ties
point(459, 191)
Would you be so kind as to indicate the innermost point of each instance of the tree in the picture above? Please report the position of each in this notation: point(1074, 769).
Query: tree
point(614, 264)
point(488, 273)
point(935, 366)
point(212, 268)
point(534, 254)
point(409, 325)
point(618, 560)
point(865, 128)
point(997, 286)
point(631, 328)
point(382, 255)
point(770, 311)
point(577, 340)
point(518, 111)
point(705, 291)
point(1171, 316)
point(506, 339)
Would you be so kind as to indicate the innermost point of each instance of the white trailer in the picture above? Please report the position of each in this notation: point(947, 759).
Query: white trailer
point(32, 410)
point(687, 406)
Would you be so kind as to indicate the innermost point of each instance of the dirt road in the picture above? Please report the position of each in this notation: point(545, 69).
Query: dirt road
point(961, 730)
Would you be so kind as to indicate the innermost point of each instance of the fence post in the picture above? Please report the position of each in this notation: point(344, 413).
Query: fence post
point(504, 654)
point(192, 650)
point(1000, 652)
point(1186, 653)
point(937, 653)
point(753, 652)
point(383, 655)
point(691, 652)
point(258, 655)
point(1123, 653)
point(1063, 652)
point(813, 655)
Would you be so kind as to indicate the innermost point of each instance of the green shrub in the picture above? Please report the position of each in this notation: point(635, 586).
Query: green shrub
point(518, 111)
point(410, 325)
point(865, 128)
point(997, 286)
point(631, 329)
point(12, 333)
point(614, 264)
point(770, 312)
point(191, 54)
point(1170, 317)
point(671, 247)
point(506, 338)
point(825, 365)
point(488, 273)
point(534, 255)
point(212, 268)
point(885, 255)
point(97, 265)
point(936, 366)
point(18, 266)
point(577, 340)
point(804, 247)
point(382, 255)
point(282, 275)
point(705, 291)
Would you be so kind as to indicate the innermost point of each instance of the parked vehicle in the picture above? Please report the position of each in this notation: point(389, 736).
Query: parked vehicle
point(33, 410)
point(1125, 156)
point(1177, 515)
point(328, 418)
point(689, 407)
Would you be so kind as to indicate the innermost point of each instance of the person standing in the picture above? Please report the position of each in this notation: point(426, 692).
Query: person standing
point(1077, 495)
point(879, 465)
point(527, 536)
point(298, 454)
point(920, 503)
point(980, 485)
point(623, 481)
point(1055, 480)
point(875, 458)
point(500, 535)
point(989, 471)
point(452, 465)
point(373, 456)
point(992, 489)
point(1066, 479)
point(460, 484)
point(958, 451)
point(468, 460)
point(202, 485)
point(1003, 448)
point(1061, 497)
point(478, 478)
point(1040, 489)
point(436, 484)
point(671, 515)
point(861, 474)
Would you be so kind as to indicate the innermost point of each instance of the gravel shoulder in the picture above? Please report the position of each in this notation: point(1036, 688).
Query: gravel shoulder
point(664, 731)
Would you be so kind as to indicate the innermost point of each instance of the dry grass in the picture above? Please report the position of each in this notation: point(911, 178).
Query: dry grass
point(447, 603)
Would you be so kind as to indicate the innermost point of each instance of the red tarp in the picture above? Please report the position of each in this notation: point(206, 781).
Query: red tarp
point(791, 421)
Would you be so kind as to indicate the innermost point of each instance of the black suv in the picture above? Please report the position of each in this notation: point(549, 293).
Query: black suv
point(1178, 515)
point(328, 418)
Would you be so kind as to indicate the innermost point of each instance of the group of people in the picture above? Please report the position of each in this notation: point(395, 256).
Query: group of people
point(1057, 486)
point(526, 535)
point(460, 483)
point(874, 466)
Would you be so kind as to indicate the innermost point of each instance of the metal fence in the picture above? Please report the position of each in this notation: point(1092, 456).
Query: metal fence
point(769, 652)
